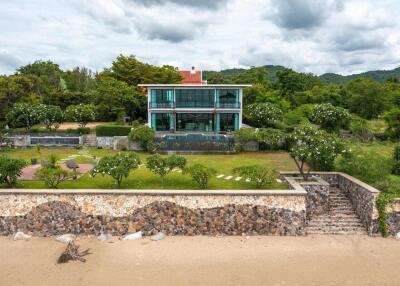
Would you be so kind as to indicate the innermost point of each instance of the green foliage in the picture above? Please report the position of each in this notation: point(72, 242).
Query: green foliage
point(329, 117)
point(200, 174)
point(23, 115)
point(143, 134)
point(81, 113)
point(271, 139)
point(53, 175)
point(10, 170)
point(392, 118)
point(385, 198)
point(258, 174)
point(367, 98)
point(117, 166)
point(50, 115)
point(246, 134)
point(162, 166)
point(263, 114)
point(369, 167)
point(112, 130)
point(359, 128)
point(396, 160)
point(315, 147)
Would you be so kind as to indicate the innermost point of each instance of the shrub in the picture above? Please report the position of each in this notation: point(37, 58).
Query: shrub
point(163, 165)
point(50, 115)
point(200, 174)
point(53, 176)
point(315, 147)
point(359, 128)
point(366, 166)
point(263, 114)
point(83, 130)
point(271, 139)
point(112, 130)
point(81, 113)
point(143, 134)
point(117, 166)
point(329, 117)
point(258, 174)
point(10, 170)
point(392, 118)
point(246, 134)
point(396, 159)
point(22, 115)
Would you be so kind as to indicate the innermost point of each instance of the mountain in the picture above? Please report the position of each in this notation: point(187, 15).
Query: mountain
point(378, 75)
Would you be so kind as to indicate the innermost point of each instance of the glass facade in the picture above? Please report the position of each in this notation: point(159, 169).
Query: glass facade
point(162, 98)
point(162, 121)
point(228, 98)
point(195, 122)
point(199, 98)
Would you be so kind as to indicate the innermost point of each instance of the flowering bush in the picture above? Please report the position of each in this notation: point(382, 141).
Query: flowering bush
point(329, 117)
point(258, 174)
point(23, 115)
point(81, 113)
point(117, 166)
point(263, 114)
point(50, 115)
point(315, 147)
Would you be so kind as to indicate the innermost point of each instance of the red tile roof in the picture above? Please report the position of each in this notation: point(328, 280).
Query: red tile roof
point(192, 77)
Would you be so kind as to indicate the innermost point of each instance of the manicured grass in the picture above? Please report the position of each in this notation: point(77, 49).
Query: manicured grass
point(143, 179)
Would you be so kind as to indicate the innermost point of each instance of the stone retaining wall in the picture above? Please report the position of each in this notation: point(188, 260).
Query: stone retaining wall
point(393, 217)
point(52, 212)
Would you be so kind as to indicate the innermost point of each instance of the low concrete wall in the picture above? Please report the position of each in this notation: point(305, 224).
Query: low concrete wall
point(52, 212)
point(104, 142)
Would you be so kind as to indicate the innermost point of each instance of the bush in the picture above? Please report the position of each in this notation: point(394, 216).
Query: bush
point(53, 175)
point(50, 115)
point(272, 139)
point(392, 118)
point(359, 128)
point(117, 166)
point(143, 134)
point(263, 114)
point(258, 174)
point(22, 115)
point(329, 117)
point(83, 130)
point(366, 166)
point(200, 174)
point(81, 113)
point(315, 147)
point(112, 130)
point(396, 159)
point(10, 170)
point(246, 134)
point(162, 166)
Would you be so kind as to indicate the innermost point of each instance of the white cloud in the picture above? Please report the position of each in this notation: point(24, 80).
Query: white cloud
point(308, 35)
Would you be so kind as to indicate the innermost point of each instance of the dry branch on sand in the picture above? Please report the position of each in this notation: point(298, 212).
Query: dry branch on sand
point(72, 253)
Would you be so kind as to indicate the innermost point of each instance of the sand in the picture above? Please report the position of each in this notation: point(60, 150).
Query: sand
point(312, 260)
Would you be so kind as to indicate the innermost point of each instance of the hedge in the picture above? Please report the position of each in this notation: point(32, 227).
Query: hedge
point(112, 130)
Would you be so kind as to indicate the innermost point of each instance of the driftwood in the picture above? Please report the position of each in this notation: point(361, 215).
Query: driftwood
point(72, 253)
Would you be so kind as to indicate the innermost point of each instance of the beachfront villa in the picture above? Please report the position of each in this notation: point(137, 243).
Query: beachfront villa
point(193, 106)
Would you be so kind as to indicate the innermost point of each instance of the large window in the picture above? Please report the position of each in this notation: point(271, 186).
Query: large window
point(195, 122)
point(227, 121)
point(162, 121)
point(228, 98)
point(161, 98)
point(200, 98)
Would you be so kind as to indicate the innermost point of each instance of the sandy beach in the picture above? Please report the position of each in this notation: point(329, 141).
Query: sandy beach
point(260, 260)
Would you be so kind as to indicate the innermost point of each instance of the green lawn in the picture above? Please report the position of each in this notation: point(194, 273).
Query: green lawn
point(143, 179)
point(382, 148)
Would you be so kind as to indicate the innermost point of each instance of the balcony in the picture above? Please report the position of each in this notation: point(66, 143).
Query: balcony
point(194, 104)
point(161, 105)
point(228, 105)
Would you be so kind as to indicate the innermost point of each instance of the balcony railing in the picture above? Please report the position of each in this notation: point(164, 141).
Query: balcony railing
point(194, 104)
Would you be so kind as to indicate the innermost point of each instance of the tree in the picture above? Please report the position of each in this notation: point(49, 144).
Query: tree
point(23, 115)
point(50, 115)
point(263, 114)
point(367, 98)
point(53, 176)
point(162, 166)
point(200, 174)
point(143, 134)
point(81, 113)
point(258, 174)
point(117, 166)
point(329, 117)
point(392, 118)
point(315, 148)
point(10, 170)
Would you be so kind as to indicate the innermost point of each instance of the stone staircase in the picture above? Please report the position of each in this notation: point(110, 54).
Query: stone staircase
point(89, 141)
point(340, 219)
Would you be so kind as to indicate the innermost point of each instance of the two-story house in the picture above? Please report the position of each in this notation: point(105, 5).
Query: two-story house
point(194, 105)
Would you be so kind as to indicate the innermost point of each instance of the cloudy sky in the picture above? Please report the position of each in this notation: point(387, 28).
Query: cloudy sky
point(318, 36)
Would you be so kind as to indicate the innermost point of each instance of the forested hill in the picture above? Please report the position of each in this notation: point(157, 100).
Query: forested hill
point(378, 75)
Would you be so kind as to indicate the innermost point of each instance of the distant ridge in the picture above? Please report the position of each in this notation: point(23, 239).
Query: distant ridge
point(378, 75)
